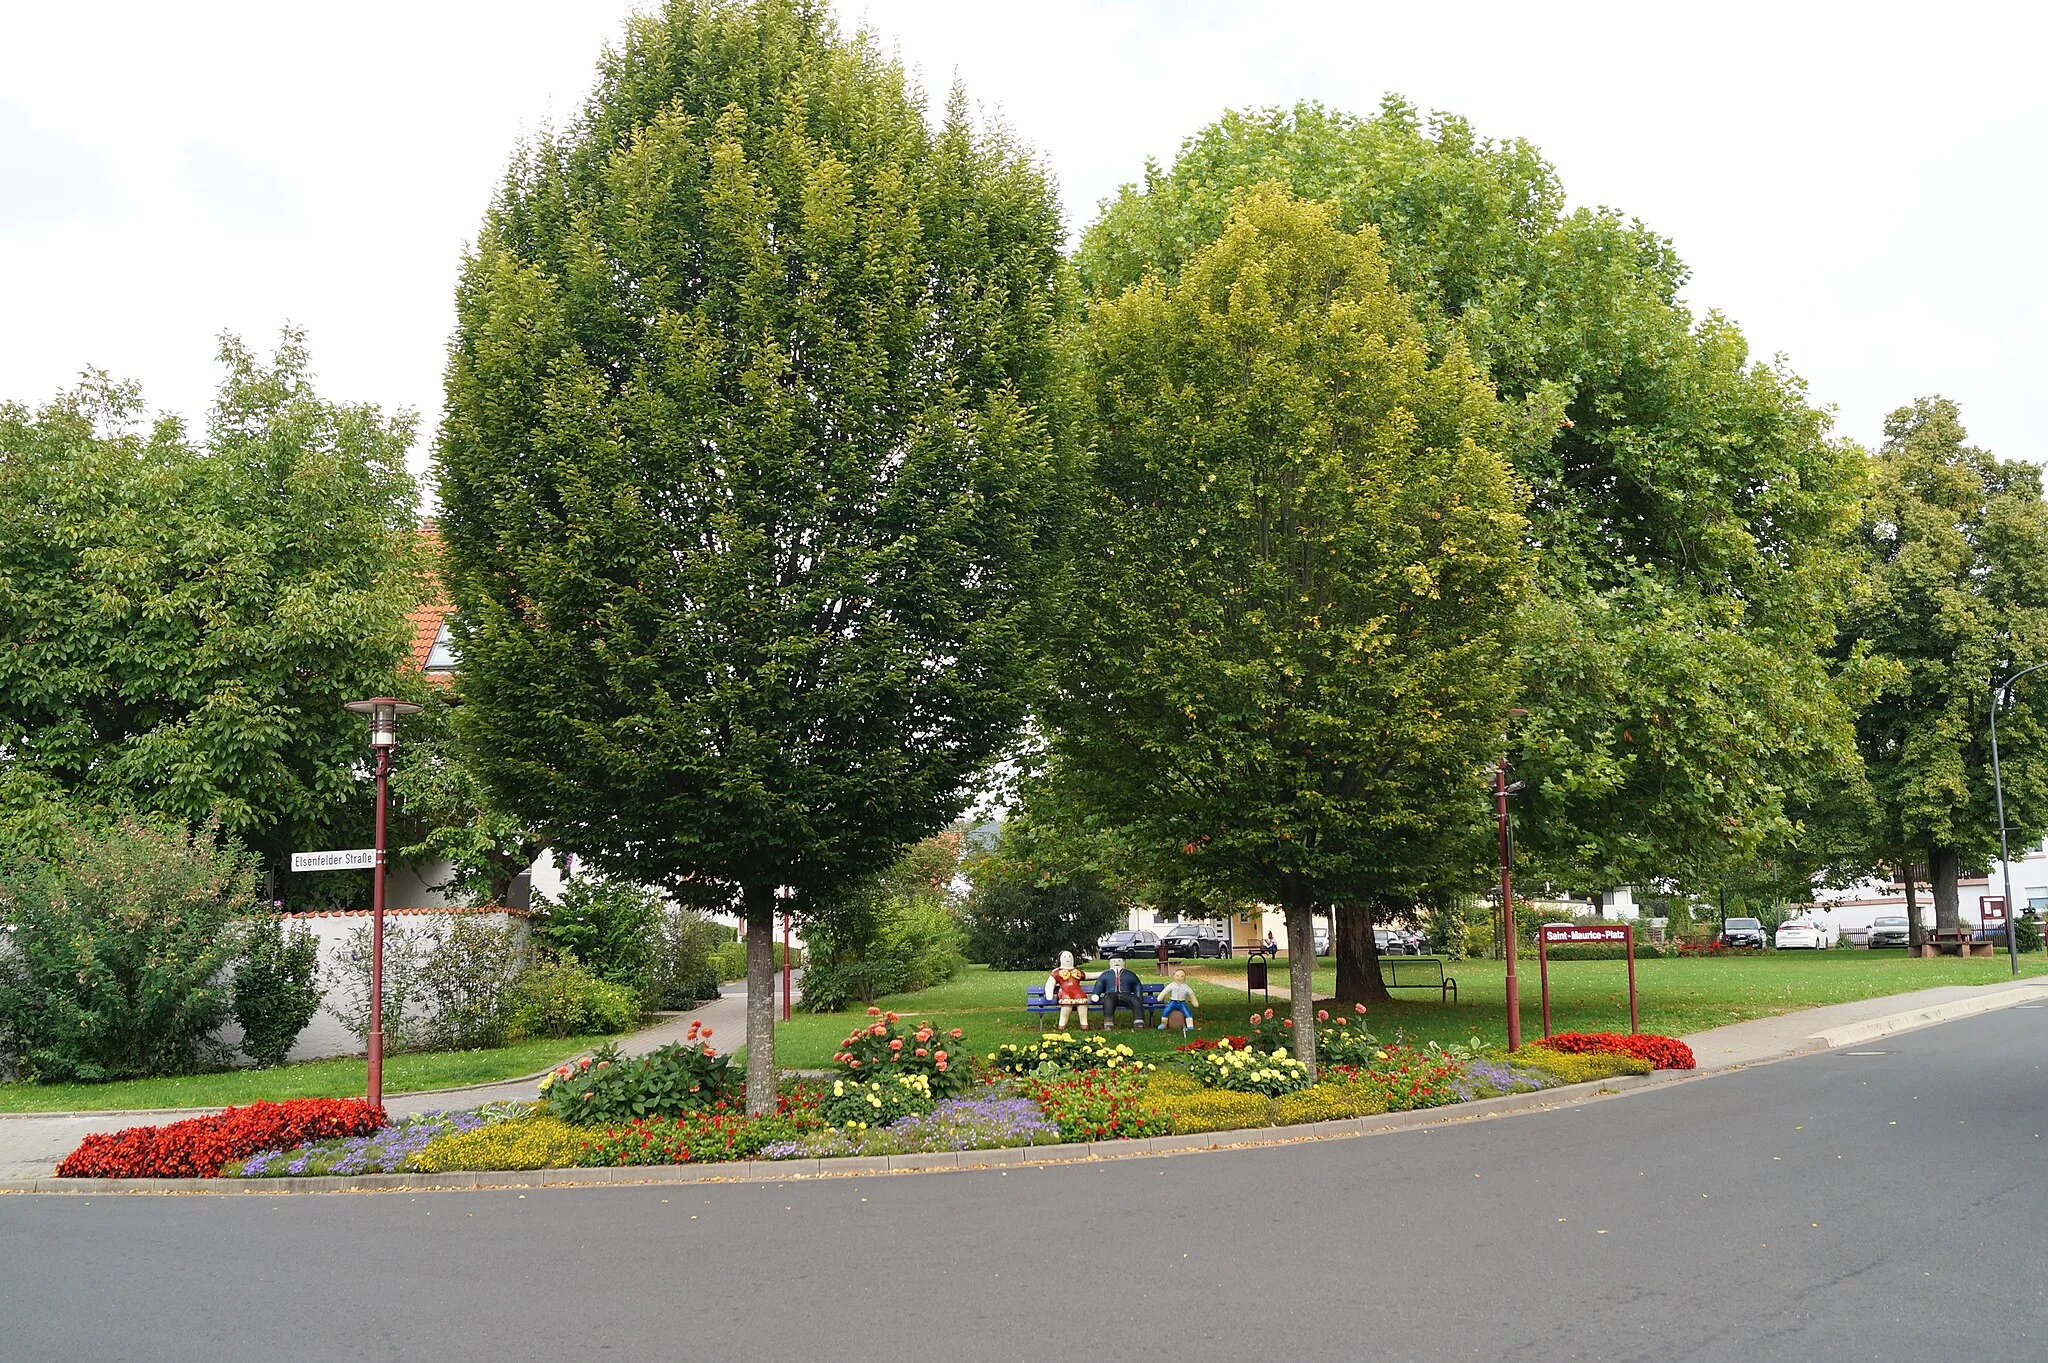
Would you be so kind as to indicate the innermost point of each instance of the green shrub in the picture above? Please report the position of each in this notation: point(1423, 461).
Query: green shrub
point(1479, 939)
point(601, 1089)
point(684, 968)
point(608, 926)
point(2027, 933)
point(557, 997)
point(731, 960)
point(277, 987)
point(348, 985)
point(465, 973)
point(120, 943)
point(1188, 1114)
point(539, 1141)
point(924, 935)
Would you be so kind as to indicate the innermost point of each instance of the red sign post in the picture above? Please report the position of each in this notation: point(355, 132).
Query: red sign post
point(1586, 934)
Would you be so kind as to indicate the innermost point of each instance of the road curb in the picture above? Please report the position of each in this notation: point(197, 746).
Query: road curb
point(789, 1171)
point(1871, 1029)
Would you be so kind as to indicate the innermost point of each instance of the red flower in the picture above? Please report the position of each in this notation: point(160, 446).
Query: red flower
point(1322, 1015)
point(921, 1052)
point(896, 1043)
point(874, 1012)
point(955, 1034)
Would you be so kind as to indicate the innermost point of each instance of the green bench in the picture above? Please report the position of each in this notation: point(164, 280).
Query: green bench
point(1418, 972)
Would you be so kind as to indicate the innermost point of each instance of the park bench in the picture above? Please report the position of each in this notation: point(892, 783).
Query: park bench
point(1038, 1005)
point(1961, 943)
point(1421, 972)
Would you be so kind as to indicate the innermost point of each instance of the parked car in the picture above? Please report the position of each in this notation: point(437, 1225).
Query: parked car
point(1744, 932)
point(1128, 944)
point(1197, 939)
point(1322, 940)
point(1397, 942)
point(1889, 932)
point(1801, 934)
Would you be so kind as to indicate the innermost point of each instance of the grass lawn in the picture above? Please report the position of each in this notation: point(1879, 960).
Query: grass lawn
point(343, 1078)
point(1674, 996)
point(989, 1006)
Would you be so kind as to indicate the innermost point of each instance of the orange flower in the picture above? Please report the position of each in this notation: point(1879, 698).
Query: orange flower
point(921, 1052)
point(1322, 1015)
point(705, 1033)
point(896, 1043)
point(955, 1034)
point(874, 1012)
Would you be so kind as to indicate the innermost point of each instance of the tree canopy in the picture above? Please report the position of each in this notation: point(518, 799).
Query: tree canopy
point(1295, 582)
point(1690, 514)
point(183, 620)
point(1959, 601)
point(746, 463)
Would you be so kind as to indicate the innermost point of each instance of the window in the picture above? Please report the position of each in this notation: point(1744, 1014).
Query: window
point(441, 657)
point(2037, 901)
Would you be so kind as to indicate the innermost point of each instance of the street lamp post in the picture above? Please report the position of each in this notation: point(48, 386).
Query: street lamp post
point(2012, 932)
point(384, 713)
point(1501, 791)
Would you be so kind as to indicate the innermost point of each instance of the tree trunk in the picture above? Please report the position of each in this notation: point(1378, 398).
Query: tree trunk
point(1301, 975)
point(759, 902)
point(1358, 957)
point(1914, 935)
point(1944, 868)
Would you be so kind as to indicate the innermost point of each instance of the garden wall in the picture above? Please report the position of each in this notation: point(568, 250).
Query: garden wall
point(325, 1036)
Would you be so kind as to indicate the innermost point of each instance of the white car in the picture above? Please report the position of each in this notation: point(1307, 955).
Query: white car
point(1802, 932)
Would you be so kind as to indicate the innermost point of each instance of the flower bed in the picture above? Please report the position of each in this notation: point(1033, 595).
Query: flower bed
point(1095, 1105)
point(1251, 1070)
point(1663, 1052)
point(200, 1146)
point(388, 1151)
point(991, 1122)
point(605, 1089)
point(882, 1048)
point(1058, 1052)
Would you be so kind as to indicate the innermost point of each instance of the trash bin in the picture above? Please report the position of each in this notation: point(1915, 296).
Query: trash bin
point(1255, 970)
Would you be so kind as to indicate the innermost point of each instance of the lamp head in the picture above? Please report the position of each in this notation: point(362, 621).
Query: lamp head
point(384, 713)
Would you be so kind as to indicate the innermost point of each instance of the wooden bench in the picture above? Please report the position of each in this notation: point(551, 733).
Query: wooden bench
point(1038, 1005)
point(1429, 968)
point(1961, 943)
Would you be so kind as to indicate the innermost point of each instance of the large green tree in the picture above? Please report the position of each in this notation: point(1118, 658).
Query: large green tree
point(1960, 601)
point(1692, 516)
point(181, 621)
point(1294, 585)
point(746, 463)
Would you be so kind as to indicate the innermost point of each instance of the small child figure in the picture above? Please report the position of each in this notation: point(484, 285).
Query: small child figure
point(1180, 998)
point(1067, 986)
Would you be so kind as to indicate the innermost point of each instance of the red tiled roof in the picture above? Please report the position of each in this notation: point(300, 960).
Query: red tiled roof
point(428, 617)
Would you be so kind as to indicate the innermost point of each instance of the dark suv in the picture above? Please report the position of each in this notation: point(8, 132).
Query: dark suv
point(1744, 932)
point(1196, 939)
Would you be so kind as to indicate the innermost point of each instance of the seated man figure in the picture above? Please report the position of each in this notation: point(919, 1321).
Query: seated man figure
point(1118, 988)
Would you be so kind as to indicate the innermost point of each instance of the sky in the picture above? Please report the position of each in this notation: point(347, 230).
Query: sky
point(1860, 186)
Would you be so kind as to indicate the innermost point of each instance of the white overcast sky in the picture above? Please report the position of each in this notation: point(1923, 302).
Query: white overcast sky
point(1860, 186)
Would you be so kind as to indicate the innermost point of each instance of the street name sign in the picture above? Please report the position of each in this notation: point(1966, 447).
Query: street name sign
point(356, 859)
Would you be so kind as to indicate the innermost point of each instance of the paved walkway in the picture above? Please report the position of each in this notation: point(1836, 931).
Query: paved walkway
point(32, 1143)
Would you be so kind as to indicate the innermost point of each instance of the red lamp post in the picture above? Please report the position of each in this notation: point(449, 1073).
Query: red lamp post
point(384, 713)
point(1501, 791)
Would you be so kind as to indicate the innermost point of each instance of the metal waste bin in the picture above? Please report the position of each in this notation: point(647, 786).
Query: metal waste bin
point(1255, 970)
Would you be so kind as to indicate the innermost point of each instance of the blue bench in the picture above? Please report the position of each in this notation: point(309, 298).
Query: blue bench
point(1038, 1005)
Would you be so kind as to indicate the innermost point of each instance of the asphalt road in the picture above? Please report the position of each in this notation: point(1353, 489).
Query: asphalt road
point(1842, 1206)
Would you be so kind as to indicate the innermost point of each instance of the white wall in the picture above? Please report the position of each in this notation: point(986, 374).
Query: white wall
point(325, 1036)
